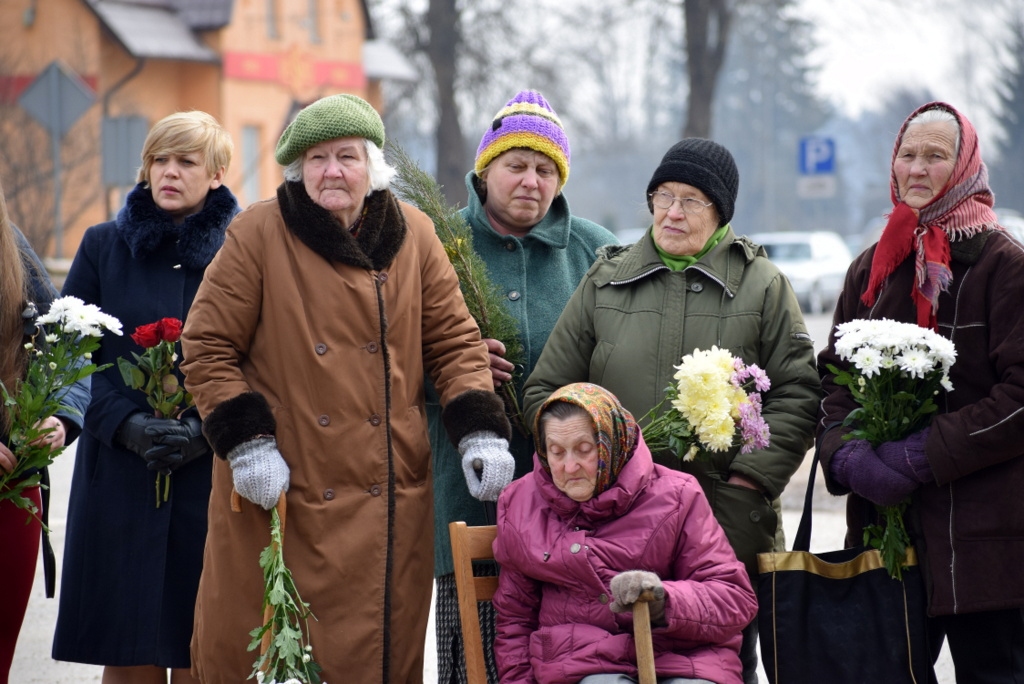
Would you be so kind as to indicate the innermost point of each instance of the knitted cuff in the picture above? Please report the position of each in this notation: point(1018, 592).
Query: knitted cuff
point(916, 457)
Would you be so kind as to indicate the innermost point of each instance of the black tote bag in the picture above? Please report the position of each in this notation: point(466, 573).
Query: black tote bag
point(837, 617)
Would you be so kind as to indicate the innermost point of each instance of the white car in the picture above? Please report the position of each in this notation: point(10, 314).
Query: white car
point(815, 263)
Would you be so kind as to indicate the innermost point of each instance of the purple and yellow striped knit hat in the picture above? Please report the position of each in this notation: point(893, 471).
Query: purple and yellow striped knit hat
point(527, 120)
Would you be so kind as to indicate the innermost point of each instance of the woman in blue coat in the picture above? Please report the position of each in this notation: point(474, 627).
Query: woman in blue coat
point(132, 560)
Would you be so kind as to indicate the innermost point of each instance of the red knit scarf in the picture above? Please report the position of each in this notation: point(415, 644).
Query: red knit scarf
point(962, 209)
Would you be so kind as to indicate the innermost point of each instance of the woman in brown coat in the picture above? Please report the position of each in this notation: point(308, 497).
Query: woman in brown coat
point(305, 350)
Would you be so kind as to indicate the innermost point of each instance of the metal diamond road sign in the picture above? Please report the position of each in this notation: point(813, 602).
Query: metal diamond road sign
point(57, 98)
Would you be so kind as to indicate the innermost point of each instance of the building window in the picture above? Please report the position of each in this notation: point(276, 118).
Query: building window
point(251, 163)
point(314, 22)
point(273, 26)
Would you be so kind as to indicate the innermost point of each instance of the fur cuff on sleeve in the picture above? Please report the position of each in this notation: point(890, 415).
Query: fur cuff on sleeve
point(238, 420)
point(475, 410)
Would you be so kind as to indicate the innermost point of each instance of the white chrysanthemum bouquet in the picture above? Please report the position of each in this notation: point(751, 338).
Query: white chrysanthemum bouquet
point(714, 405)
point(59, 354)
point(895, 371)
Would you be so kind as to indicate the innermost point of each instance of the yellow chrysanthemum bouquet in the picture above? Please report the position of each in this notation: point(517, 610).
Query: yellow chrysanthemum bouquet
point(714, 405)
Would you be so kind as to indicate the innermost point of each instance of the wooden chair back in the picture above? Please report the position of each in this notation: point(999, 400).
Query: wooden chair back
point(472, 544)
point(475, 544)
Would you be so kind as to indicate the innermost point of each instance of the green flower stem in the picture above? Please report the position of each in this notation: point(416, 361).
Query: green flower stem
point(484, 300)
point(283, 639)
point(891, 407)
point(53, 367)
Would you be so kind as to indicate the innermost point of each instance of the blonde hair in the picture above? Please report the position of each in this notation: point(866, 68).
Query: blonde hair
point(185, 133)
point(12, 303)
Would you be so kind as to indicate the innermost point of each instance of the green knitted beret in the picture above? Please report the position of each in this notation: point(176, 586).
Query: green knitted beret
point(337, 116)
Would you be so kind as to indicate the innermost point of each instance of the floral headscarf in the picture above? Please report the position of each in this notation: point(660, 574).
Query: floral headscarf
point(615, 431)
point(962, 209)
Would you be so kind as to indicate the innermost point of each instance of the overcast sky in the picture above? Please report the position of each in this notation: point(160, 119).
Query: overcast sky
point(869, 47)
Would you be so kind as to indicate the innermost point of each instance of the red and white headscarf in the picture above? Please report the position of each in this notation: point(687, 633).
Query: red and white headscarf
point(962, 208)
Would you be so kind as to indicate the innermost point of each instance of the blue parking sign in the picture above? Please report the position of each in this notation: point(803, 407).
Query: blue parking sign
point(817, 155)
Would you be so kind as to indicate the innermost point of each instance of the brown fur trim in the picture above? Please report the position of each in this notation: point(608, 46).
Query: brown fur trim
point(238, 420)
point(475, 410)
point(381, 231)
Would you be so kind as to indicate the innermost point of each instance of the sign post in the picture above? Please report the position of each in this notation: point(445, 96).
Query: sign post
point(817, 178)
point(57, 98)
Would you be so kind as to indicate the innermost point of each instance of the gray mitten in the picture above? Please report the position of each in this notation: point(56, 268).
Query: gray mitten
point(627, 587)
point(486, 463)
point(259, 471)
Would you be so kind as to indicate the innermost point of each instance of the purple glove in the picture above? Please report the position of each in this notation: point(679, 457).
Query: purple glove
point(907, 457)
point(857, 467)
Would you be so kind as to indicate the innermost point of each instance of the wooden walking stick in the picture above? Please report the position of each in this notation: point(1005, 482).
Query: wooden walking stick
point(268, 612)
point(642, 638)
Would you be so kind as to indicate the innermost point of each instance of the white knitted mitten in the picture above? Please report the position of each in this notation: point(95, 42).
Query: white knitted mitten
point(486, 463)
point(259, 471)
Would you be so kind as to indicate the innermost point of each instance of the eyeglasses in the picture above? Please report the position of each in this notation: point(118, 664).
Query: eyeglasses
point(690, 205)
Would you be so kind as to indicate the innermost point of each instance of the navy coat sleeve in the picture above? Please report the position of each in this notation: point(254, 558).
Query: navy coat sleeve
point(109, 406)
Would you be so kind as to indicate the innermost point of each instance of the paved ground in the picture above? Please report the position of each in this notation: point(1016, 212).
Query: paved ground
point(33, 664)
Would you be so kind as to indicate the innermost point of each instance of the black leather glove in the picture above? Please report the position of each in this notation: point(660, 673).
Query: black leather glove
point(187, 440)
point(136, 434)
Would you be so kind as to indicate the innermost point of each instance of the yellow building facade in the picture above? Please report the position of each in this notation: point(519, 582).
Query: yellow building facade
point(250, 63)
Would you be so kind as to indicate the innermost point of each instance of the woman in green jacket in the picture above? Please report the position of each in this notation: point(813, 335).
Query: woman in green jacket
point(690, 283)
point(536, 251)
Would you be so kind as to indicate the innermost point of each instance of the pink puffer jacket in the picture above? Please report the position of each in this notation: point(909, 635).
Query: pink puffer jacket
point(558, 558)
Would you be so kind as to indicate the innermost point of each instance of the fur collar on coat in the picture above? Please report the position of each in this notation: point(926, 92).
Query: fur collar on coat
point(381, 231)
point(144, 226)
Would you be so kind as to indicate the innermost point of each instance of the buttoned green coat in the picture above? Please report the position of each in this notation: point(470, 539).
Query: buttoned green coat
point(632, 319)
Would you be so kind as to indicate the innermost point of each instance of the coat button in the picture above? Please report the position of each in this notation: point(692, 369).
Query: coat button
point(375, 490)
point(755, 516)
point(372, 347)
point(575, 548)
point(382, 277)
point(510, 246)
point(603, 598)
point(374, 420)
point(320, 349)
point(328, 494)
point(324, 420)
point(514, 295)
point(696, 287)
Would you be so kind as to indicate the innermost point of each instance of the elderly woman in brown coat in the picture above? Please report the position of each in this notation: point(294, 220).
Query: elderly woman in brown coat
point(306, 350)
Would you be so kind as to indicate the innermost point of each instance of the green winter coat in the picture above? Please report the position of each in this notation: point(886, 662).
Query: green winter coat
point(632, 319)
point(538, 273)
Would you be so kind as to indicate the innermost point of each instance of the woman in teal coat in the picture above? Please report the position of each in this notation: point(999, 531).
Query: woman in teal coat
point(536, 251)
point(691, 283)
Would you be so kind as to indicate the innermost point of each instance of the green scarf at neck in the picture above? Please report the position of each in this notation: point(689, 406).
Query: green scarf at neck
point(678, 263)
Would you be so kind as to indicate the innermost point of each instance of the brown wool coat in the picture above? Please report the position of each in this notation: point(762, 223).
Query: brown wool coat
point(335, 333)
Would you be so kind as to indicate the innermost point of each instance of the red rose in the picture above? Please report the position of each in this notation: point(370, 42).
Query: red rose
point(170, 329)
point(147, 335)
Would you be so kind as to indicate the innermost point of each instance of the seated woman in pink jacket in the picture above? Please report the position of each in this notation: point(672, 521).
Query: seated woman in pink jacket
point(578, 540)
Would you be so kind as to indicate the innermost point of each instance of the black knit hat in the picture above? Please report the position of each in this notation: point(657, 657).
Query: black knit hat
point(705, 165)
